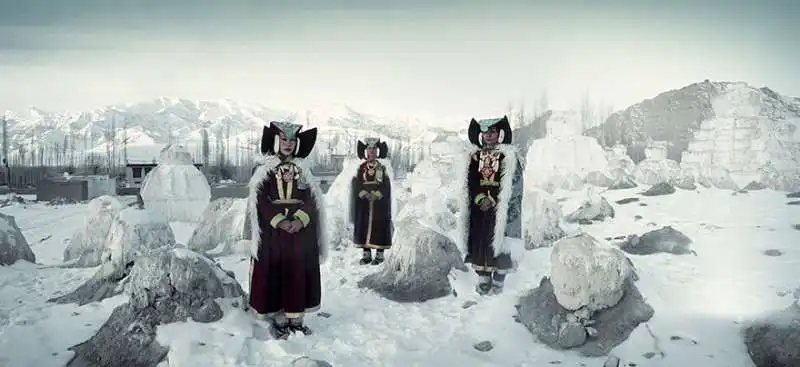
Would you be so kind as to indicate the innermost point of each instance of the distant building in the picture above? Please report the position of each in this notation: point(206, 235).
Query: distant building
point(135, 172)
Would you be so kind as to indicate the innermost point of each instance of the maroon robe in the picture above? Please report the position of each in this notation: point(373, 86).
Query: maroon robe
point(372, 220)
point(286, 266)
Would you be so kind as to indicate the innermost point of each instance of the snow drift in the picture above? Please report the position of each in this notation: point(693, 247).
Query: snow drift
point(221, 227)
point(13, 245)
point(89, 242)
point(176, 188)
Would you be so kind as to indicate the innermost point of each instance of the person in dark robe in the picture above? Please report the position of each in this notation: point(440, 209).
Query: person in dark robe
point(490, 222)
point(371, 201)
point(287, 218)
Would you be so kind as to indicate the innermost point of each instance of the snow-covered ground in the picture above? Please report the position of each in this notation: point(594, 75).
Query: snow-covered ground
point(700, 301)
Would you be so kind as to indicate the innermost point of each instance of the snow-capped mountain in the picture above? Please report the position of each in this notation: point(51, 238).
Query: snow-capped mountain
point(147, 126)
point(732, 125)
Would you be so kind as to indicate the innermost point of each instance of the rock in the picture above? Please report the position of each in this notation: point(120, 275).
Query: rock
point(772, 252)
point(220, 227)
point(796, 226)
point(684, 182)
point(626, 201)
point(755, 186)
point(13, 245)
point(165, 286)
point(308, 362)
point(542, 219)
point(793, 195)
point(720, 177)
point(483, 346)
point(571, 334)
point(594, 208)
point(544, 317)
point(88, 243)
point(417, 267)
point(775, 340)
point(796, 202)
point(661, 188)
point(586, 275)
point(468, 304)
point(637, 217)
point(599, 179)
point(666, 239)
point(136, 232)
point(105, 283)
point(623, 183)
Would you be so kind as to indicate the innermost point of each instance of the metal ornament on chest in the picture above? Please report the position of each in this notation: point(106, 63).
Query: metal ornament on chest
point(488, 166)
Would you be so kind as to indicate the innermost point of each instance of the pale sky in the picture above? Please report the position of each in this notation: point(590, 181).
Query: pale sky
point(454, 58)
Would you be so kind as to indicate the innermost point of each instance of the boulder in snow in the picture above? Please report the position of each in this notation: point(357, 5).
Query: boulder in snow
point(13, 245)
point(221, 227)
point(543, 219)
point(89, 242)
point(720, 178)
point(166, 286)
point(591, 334)
point(599, 179)
point(136, 232)
point(586, 275)
point(653, 171)
point(755, 186)
point(594, 208)
point(417, 267)
point(176, 188)
point(775, 340)
point(666, 240)
point(622, 182)
point(659, 189)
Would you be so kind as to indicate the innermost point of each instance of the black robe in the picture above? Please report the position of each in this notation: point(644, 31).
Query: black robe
point(372, 220)
point(285, 275)
point(502, 184)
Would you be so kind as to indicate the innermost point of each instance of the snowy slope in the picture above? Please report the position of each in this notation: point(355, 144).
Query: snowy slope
point(700, 301)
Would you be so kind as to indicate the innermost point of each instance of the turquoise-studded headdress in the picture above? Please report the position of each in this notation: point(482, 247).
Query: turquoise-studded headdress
point(477, 127)
point(305, 139)
point(383, 149)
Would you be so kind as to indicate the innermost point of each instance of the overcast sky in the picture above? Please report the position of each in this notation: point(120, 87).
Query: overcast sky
point(454, 58)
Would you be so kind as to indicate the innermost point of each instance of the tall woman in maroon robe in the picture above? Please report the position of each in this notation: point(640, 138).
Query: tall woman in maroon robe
point(286, 211)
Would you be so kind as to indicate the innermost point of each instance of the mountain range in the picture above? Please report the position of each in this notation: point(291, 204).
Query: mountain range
point(732, 124)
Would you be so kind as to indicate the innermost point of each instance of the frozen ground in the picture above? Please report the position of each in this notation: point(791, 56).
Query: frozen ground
point(702, 300)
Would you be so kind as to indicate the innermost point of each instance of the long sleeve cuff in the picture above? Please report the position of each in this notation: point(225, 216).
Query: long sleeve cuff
point(277, 219)
point(377, 194)
point(362, 194)
point(303, 217)
point(478, 198)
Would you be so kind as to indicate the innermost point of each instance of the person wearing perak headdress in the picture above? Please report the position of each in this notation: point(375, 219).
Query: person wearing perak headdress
point(371, 201)
point(288, 239)
point(490, 224)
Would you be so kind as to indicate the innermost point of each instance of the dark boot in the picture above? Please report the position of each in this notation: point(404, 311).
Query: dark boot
point(498, 281)
point(366, 257)
point(378, 257)
point(484, 283)
point(296, 326)
point(280, 329)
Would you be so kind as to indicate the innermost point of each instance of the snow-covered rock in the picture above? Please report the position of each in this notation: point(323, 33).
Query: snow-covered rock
point(176, 188)
point(651, 171)
point(618, 160)
point(166, 286)
point(221, 227)
point(663, 240)
point(417, 267)
point(13, 245)
point(136, 232)
point(594, 208)
point(90, 241)
point(659, 189)
point(720, 178)
point(591, 334)
point(781, 180)
point(563, 158)
point(586, 275)
point(599, 179)
point(775, 340)
point(543, 219)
